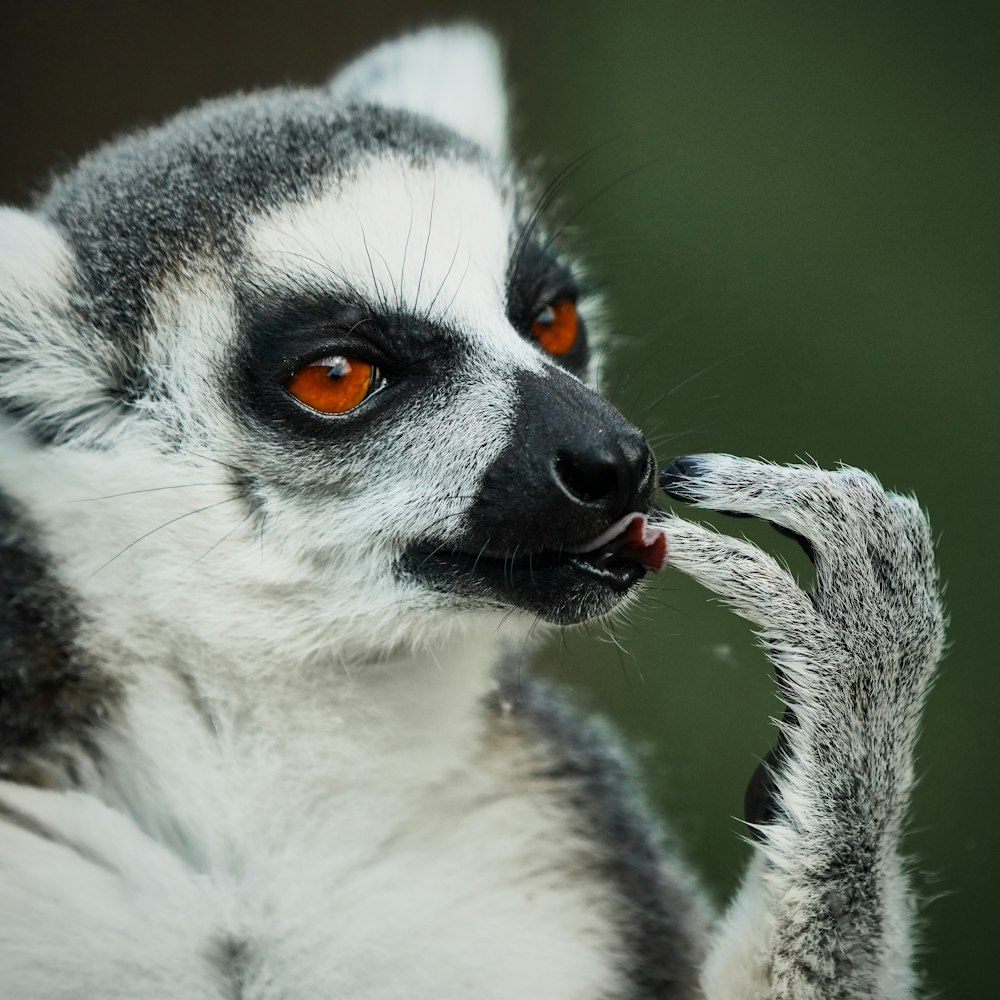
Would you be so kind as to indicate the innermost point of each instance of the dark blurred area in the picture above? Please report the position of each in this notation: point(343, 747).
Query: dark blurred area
point(793, 210)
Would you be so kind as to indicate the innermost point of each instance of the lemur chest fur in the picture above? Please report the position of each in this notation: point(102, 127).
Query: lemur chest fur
point(335, 845)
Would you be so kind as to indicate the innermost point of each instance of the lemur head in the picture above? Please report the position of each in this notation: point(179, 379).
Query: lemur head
point(340, 302)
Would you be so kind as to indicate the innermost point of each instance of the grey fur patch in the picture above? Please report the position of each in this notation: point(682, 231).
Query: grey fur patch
point(659, 918)
point(53, 696)
point(230, 955)
point(140, 208)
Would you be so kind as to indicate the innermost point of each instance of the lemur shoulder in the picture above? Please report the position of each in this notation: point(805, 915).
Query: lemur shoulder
point(299, 408)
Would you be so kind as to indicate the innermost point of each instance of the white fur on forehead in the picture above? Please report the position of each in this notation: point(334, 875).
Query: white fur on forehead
point(432, 242)
point(452, 75)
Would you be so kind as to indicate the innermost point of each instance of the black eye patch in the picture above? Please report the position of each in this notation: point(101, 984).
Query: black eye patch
point(283, 333)
point(536, 280)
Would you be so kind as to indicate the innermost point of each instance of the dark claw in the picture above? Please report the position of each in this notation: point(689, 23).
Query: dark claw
point(676, 476)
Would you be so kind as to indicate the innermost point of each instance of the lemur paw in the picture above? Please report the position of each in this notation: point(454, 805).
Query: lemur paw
point(855, 656)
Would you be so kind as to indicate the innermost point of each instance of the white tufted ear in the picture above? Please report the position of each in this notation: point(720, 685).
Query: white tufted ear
point(453, 75)
point(33, 256)
point(51, 373)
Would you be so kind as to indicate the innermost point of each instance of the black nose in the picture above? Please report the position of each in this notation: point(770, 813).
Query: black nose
point(609, 474)
point(574, 466)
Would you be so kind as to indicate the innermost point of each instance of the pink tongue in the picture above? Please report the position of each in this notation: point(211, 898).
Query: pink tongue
point(646, 544)
point(635, 537)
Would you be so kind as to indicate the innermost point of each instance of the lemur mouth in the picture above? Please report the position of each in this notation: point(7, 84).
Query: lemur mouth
point(564, 584)
point(632, 539)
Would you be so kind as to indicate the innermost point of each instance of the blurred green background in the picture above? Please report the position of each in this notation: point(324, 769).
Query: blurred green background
point(796, 220)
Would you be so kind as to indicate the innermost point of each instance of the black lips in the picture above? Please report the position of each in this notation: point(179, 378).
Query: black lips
point(573, 468)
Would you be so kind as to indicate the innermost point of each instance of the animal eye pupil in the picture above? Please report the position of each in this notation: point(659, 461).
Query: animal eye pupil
point(334, 384)
point(556, 326)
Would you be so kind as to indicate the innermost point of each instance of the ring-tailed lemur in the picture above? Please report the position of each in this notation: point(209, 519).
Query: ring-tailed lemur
point(299, 410)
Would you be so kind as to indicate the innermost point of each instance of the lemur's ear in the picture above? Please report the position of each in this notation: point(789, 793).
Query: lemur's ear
point(51, 373)
point(453, 75)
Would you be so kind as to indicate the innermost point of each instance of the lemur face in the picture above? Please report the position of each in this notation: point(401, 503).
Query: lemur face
point(436, 400)
point(348, 304)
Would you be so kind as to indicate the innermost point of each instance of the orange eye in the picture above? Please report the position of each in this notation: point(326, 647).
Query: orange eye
point(555, 327)
point(333, 385)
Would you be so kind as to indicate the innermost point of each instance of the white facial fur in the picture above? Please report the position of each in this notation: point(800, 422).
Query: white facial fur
point(447, 265)
point(435, 242)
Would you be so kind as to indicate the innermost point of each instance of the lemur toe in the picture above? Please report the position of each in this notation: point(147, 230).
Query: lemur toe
point(747, 578)
point(678, 478)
